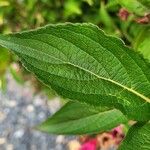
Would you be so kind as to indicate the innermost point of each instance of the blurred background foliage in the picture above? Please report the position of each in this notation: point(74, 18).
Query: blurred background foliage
point(126, 19)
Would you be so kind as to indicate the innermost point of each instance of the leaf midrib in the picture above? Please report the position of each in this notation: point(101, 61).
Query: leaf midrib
point(100, 77)
point(104, 47)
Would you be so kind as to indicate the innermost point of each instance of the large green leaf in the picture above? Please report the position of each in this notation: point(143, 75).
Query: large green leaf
point(77, 118)
point(82, 63)
point(138, 138)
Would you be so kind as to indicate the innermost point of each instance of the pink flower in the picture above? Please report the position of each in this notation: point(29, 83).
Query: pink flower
point(90, 145)
point(117, 130)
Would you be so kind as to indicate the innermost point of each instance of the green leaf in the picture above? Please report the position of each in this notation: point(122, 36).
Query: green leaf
point(77, 118)
point(144, 48)
point(4, 3)
point(90, 2)
point(72, 7)
point(134, 6)
point(105, 18)
point(144, 45)
point(138, 138)
point(81, 63)
point(16, 75)
point(145, 3)
point(3, 83)
point(4, 60)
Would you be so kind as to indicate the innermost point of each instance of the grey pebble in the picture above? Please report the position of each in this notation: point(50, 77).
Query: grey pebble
point(20, 110)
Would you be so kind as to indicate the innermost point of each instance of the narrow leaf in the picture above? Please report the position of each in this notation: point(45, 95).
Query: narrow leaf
point(82, 63)
point(138, 138)
point(77, 118)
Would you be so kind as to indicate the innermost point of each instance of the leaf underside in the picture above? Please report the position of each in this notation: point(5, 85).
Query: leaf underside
point(76, 118)
point(81, 63)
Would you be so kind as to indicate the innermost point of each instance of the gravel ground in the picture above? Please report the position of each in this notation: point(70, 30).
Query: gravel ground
point(20, 110)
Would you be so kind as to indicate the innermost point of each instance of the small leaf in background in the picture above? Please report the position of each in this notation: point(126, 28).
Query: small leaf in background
point(145, 3)
point(105, 18)
point(134, 6)
point(72, 7)
point(82, 63)
point(144, 48)
point(3, 83)
point(77, 118)
point(90, 2)
point(112, 4)
point(138, 138)
point(142, 42)
point(16, 74)
point(4, 60)
point(4, 3)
